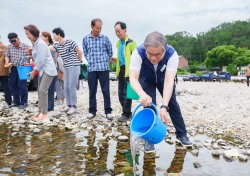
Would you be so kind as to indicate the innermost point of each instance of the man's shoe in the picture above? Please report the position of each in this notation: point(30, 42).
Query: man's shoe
point(90, 116)
point(72, 111)
point(109, 116)
point(123, 118)
point(184, 141)
point(14, 105)
point(23, 106)
point(66, 109)
point(149, 147)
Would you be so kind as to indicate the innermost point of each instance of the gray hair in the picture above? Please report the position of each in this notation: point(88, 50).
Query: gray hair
point(156, 39)
point(94, 21)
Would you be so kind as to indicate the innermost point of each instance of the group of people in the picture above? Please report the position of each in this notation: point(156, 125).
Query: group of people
point(47, 66)
point(150, 66)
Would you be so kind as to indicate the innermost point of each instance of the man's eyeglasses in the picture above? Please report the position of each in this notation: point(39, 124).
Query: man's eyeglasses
point(13, 41)
point(158, 55)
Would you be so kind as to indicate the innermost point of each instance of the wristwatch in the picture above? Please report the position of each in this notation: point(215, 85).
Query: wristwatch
point(164, 106)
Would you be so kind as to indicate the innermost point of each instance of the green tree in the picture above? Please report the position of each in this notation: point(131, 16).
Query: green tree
point(220, 56)
point(231, 68)
point(243, 57)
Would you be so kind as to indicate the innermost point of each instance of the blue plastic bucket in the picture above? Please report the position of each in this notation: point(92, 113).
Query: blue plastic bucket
point(147, 125)
point(23, 70)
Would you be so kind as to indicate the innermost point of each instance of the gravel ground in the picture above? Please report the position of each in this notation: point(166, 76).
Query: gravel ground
point(209, 107)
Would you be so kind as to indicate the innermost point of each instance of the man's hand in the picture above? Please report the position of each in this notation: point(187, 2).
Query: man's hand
point(112, 59)
point(29, 50)
point(32, 74)
point(145, 100)
point(8, 64)
point(164, 116)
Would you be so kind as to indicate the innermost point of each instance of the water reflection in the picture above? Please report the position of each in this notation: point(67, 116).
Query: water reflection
point(176, 165)
point(95, 152)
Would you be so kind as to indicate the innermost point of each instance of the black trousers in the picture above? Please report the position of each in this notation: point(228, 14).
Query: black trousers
point(248, 77)
point(6, 89)
point(103, 77)
point(174, 108)
point(122, 89)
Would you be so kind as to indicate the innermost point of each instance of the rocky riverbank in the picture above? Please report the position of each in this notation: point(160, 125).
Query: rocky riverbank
point(214, 109)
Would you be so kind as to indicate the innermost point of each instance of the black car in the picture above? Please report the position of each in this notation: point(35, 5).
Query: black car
point(191, 77)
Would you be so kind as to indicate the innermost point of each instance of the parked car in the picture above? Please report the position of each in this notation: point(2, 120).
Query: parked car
point(208, 76)
point(191, 77)
point(225, 76)
point(112, 76)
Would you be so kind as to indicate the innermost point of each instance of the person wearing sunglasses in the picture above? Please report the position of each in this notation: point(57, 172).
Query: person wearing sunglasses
point(13, 54)
point(153, 66)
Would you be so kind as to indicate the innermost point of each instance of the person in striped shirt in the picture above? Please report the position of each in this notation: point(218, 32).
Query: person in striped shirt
point(72, 58)
point(97, 50)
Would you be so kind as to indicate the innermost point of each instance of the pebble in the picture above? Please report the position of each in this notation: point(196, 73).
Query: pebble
point(123, 138)
point(197, 165)
point(36, 131)
point(216, 153)
point(243, 157)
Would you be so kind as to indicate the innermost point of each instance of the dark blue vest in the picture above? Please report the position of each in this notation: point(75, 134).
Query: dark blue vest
point(148, 73)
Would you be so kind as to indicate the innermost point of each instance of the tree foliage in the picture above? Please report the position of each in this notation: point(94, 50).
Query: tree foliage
point(220, 56)
point(195, 48)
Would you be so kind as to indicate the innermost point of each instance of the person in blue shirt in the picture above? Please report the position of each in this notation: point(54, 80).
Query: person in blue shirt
point(97, 50)
point(153, 66)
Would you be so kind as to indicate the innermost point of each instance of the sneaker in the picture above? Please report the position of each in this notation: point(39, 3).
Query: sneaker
point(149, 147)
point(123, 118)
point(90, 116)
point(109, 116)
point(184, 141)
point(23, 106)
point(65, 109)
point(72, 111)
point(59, 103)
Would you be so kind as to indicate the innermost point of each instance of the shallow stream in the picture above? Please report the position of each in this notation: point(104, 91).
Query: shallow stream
point(88, 152)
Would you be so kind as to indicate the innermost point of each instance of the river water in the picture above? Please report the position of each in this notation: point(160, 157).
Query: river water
point(87, 152)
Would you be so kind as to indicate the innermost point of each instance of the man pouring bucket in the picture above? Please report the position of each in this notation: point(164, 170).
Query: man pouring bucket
point(154, 65)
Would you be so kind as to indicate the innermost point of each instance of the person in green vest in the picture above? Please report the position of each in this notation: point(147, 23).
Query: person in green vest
point(125, 46)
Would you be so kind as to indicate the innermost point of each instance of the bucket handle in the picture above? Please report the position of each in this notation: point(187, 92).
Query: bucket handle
point(21, 61)
point(138, 106)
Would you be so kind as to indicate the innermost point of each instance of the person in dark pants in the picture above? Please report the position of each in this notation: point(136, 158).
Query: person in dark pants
point(153, 66)
point(248, 74)
point(4, 76)
point(125, 46)
point(97, 50)
point(15, 51)
point(51, 94)
point(93, 77)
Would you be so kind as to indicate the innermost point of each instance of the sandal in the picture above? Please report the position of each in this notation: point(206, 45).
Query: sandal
point(42, 117)
point(36, 115)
